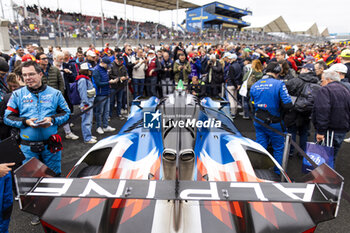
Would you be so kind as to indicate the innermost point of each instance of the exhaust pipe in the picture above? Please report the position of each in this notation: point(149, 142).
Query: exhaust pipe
point(169, 164)
point(186, 164)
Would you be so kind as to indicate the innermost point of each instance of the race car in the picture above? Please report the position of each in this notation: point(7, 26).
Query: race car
point(178, 164)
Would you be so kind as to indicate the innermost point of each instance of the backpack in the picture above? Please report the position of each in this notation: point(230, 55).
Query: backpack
point(305, 101)
point(253, 78)
point(73, 93)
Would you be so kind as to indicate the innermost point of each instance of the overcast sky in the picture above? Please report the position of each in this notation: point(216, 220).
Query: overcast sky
point(299, 14)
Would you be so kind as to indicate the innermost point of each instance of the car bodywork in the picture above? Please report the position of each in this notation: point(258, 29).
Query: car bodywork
point(162, 175)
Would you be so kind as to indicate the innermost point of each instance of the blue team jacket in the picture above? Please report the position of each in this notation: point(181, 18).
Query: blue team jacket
point(269, 94)
point(45, 102)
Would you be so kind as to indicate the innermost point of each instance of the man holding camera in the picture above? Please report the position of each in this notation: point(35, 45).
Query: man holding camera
point(182, 68)
point(215, 76)
point(118, 80)
point(138, 72)
point(196, 66)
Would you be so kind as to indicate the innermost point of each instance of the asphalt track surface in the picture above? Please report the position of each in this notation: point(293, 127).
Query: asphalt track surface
point(73, 150)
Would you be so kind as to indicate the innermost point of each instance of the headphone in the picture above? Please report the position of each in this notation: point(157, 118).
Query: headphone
point(276, 70)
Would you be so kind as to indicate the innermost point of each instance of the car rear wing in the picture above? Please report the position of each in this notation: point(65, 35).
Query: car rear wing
point(320, 191)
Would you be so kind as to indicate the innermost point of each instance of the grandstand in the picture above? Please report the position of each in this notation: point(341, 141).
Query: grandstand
point(215, 15)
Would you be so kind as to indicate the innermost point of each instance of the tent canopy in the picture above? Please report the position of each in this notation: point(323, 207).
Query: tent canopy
point(277, 25)
point(312, 31)
point(325, 32)
point(159, 5)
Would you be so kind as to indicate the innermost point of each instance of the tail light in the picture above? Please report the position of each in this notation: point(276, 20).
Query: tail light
point(311, 230)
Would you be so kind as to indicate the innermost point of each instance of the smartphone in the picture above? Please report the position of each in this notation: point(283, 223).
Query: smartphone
point(39, 122)
point(42, 122)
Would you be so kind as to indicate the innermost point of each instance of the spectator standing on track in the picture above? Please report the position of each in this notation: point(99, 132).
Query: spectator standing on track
point(87, 95)
point(153, 67)
point(138, 72)
point(51, 74)
point(68, 78)
point(233, 81)
point(91, 58)
point(119, 76)
point(247, 62)
point(69, 63)
point(196, 66)
point(127, 60)
point(331, 110)
point(182, 69)
point(215, 76)
point(253, 74)
point(166, 74)
point(102, 82)
point(297, 120)
point(203, 57)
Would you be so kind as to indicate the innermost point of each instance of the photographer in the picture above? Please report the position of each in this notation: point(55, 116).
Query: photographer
point(182, 69)
point(138, 73)
point(196, 66)
point(215, 75)
point(118, 79)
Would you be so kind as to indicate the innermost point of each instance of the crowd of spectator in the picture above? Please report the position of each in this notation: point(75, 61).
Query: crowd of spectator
point(76, 25)
point(289, 75)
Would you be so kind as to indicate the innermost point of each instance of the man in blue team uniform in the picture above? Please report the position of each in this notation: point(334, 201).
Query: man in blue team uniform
point(37, 110)
point(270, 97)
